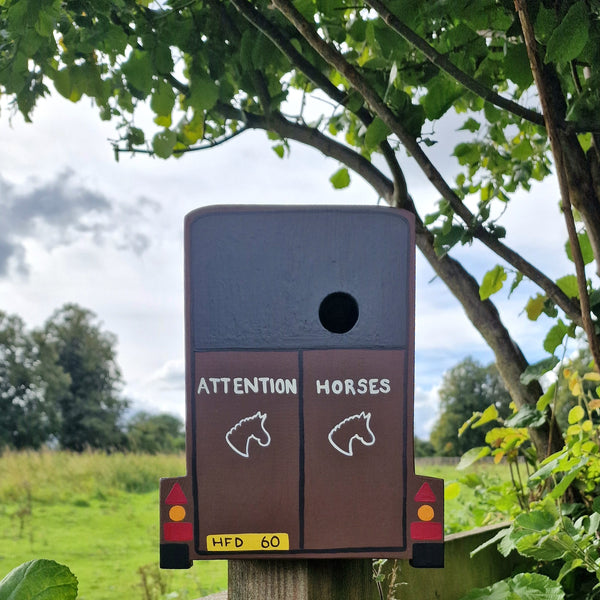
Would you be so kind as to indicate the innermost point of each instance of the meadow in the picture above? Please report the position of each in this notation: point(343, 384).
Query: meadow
point(98, 514)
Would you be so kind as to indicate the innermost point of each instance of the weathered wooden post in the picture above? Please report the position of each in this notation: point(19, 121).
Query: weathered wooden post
point(299, 377)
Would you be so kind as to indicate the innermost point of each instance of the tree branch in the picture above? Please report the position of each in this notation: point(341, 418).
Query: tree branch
point(553, 128)
point(282, 41)
point(443, 63)
point(206, 146)
point(356, 80)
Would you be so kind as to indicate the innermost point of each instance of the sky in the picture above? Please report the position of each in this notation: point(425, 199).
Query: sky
point(77, 226)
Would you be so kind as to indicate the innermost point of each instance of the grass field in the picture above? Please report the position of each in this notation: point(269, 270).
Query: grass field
point(98, 514)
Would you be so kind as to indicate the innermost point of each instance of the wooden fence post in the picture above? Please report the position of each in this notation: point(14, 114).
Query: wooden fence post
point(284, 579)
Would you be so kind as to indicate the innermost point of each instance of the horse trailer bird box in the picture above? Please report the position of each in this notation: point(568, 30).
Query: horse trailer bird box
point(299, 390)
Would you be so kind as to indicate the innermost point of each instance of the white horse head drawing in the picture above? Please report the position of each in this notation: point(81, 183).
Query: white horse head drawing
point(356, 427)
point(250, 428)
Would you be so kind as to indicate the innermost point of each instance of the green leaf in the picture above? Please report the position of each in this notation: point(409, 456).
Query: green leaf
point(39, 580)
point(570, 36)
point(498, 591)
point(546, 398)
point(376, 133)
point(472, 456)
point(204, 93)
point(535, 307)
point(279, 150)
point(340, 179)
point(517, 66)
point(527, 416)
point(523, 150)
point(515, 284)
point(136, 136)
point(489, 414)
point(535, 371)
point(576, 414)
point(470, 125)
point(533, 586)
point(539, 520)
point(163, 143)
point(163, 60)
point(568, 566)
point(467, 153)
point(492, 282)
point(555, 337)
point(163, 99)
point(441, 95)
point(139, 70)
point(586, 248)
point(568, 284)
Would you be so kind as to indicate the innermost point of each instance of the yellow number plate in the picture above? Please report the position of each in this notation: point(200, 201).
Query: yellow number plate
point(247, 542)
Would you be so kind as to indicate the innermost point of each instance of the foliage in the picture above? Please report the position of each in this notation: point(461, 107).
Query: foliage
point(30, 383)
point(467, 388)
point(59, 385)
point(423, 448)
point(39, 579)
point(558, 523)
point(520, 74)
point(154, 434)
point(524, 586)
point(90, 410)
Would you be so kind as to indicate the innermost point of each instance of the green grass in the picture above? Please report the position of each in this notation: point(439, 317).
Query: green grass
point(97, 514)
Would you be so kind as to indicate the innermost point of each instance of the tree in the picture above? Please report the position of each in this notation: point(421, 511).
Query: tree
point(524, 75)
point(155, 434)
point(30, 383)
point(423, 448)
point(467, 388)
point(90, 409)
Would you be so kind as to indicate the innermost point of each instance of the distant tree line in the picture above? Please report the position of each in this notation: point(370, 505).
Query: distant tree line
point(470, 387)
point(60, 385)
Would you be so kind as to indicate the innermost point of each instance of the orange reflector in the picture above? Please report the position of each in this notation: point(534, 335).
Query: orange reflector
point(177, 513)
point(426, 531)
point(425, 513)
point(178, 532)
point(176, 496)
point(425, 494)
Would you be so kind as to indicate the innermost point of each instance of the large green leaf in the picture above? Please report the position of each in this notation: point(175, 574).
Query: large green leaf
point(442, 93)
point(39, 580)
point(570, 36)
point(533, 586)
point(517, 67)
point(139, 70)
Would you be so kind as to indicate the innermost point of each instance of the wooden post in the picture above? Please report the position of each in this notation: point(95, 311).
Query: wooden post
point(320, 579)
